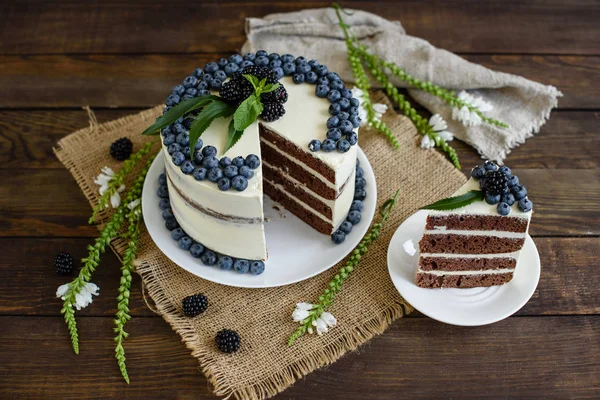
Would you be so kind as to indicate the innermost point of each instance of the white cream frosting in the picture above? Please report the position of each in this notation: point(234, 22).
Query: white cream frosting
point(514, 254)
point(478, 272)
point(500, 234)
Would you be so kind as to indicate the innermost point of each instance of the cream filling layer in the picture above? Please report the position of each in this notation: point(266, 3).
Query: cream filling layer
point(514, 254)
point(472, 273)
point(500, 234)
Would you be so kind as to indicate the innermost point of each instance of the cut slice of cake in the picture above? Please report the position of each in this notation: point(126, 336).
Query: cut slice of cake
point(474, 238)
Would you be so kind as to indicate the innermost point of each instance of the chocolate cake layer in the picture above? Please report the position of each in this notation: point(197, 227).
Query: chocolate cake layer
point(295, 208)
point(465, 264)
point(469, 244)
point(431, 281)
point(300, 174)
point(275, 175)
point(477, 223)
point(296, 152)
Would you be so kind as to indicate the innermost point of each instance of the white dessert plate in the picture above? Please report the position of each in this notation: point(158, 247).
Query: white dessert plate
point(465, 307)
point(296, 251)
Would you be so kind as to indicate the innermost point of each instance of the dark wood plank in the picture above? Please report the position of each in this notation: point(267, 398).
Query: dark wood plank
point(567, 203)
point(176, 26)
point(570, 281)
point(552, 357)
point(145, 80)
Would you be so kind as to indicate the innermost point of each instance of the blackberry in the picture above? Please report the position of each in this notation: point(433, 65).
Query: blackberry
point(121, 149)
point(228, 341)
point(63, 263)
point(272, 112)
point(259, 72)
point(496, 183)
point(194, 305)
point(278, 95)
point(236, 90)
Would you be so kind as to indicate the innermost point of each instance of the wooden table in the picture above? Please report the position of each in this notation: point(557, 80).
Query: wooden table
point(121, 58)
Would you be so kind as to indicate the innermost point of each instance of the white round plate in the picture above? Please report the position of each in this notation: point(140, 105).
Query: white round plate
point(296, 251)
point(465, 307)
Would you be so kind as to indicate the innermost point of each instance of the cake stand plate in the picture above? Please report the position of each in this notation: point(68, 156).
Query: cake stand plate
point(465, 307)
point(296, 251)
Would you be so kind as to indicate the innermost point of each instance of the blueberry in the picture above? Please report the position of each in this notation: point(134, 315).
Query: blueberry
point(492, 198)
point(211, 67)
point(246, 63)
point(216, 84)
point(209, 151)
point(354, 217)
point(334, 96)
point(508, 198)
point(360, 183)
point(225, 262)
point(298, 78)
point(344, 103)
point(199, 174)
point(333, 122)
point(203, 85)
point(353, 111)
point(163, 192)
point(169, 140)
point(257, 267)
point(241, 266)
point(503, 208)
point(238, 161)
point(328, 145)
point(164, 203)
point(261, 53)
point(198, 73)
point(207, 78)
point(513, 181)
point(322, 90)
point(165, 131)
point(190, 82)
point(245, 171)
point(214, 174)
point(354, 102)
point(360, 194)
point(178, 90)
point(314, 145)
point(338, 236)
point(187, 123)
point(178, 158)
point(172, 100)
point(187, 167)
point(239, 183)
point(357, 205)
point(174, 148)
point(336, 84)
point(343, 115)
point(208, 257)
point(313, 63)
point(171, 224)
point(334, 134)
point(343, 146)
point(178, 129)
point(519, 192)
point(525, 205)
point(230, 171)
point(221, 75)
point(235, 58)
point(196, 250)
point(354, 120)
point(303, 68)
point(224, 184)
point(320, 70)
point(230, 69)
point(224, 161)
point(252, 161)
point(275, 63)
point(185, 243)
point(203, 92)
point(210, 162)
point(183, 139)
point(346, 227)
point(478, 172)
point(222, 62)
point(311, 77)
point(289, 68)
point(167, 213)
point(198, 157)
point(278, 71)
point(186, 151)
point(287, 58)
point(335, 109)
point(249, 56)
point(504, 169)
point(323, 81)
point(359, 172)
point(346, 127)
point(300, 60)
point(352, 138)
point(261, 61)
point(274, 56)
point(490, 166)
point(177, 234)
point(191, 92)
point(346, 94)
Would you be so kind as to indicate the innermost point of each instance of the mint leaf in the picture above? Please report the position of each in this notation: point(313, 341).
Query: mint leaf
point(270, 87)
point(247, 112)
point(253, 80)
point(452, 203)
point(178, 111)
point(232, 137)
point(215, 109)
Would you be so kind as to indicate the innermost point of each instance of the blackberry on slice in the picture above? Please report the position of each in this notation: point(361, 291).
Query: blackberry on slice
point(259, 72)
point(228, 341)
point(278, 95)
point(63, 263)
point(272, 112)
point(121, 149)
point(496, 183)
point(236, 90)
point(194, 305)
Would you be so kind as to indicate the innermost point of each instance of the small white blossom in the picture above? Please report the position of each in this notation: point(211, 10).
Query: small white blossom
point(427, 142)
point(325, 321)
point(467, 117)
point(83, 298)
point(103, 180)
point(301, 311)
point(439, 126)
point(134, 204)
point(379, 108)
point(409, 247)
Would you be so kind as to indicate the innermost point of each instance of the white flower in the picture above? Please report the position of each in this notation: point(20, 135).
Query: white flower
point(427, 142)
point(439, 126)
point(134, 204)
point(446, 135)
point(378, 108)
point(325, 321)
point(83, 298)
point(103, 180)
point(467, 117)
point(301, 311)
point(409, 247)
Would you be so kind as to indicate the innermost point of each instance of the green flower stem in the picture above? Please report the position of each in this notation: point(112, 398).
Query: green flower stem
point(116, 182)
point(335, 286)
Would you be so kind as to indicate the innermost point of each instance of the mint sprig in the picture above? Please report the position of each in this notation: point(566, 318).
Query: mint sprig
point(452, 203)
point(252, 107)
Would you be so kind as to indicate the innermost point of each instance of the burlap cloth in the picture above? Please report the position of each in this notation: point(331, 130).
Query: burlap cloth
point(265, 365)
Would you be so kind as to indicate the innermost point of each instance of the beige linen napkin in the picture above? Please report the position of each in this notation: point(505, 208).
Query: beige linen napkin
point(314, 33)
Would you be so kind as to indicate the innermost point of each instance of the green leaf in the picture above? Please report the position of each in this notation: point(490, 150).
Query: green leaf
point(253, 80)
point(178, 111)
point(247, 113)
point(215, 109)
point(452, 203)
point(270, 87)
point(232, 137)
